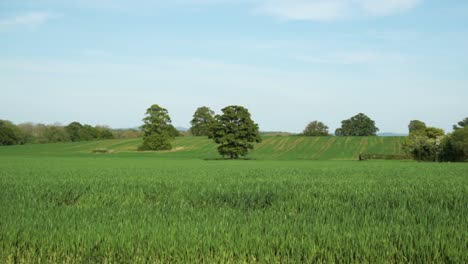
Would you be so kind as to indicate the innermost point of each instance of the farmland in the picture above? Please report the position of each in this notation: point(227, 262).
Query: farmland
point(295, 200)
point(271, 148)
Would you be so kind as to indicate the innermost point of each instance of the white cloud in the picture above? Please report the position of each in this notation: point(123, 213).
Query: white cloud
point(32, 19)
point(354, 58)
point(388, 7)
point(328, 10)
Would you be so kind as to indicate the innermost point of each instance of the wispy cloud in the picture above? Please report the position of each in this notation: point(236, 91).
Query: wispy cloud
point(330, 10)
point(31, 19)
point(354, 58)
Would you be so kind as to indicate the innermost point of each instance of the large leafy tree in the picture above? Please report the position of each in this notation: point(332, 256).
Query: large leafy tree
point(461, 124)
point(157, 129)
point(202, 121)
point(315, 129)
point(235, 132)
point(358, 125)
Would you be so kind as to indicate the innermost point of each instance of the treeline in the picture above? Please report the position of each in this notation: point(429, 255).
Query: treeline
point(30, 133)
point(432, 144)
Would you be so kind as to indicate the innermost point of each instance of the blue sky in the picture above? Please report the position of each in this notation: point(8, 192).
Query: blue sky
point(288, 61)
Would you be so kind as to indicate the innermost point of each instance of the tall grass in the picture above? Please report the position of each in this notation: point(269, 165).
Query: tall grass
point(120, 208)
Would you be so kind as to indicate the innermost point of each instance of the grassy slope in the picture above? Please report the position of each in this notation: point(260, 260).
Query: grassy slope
point(272, 148)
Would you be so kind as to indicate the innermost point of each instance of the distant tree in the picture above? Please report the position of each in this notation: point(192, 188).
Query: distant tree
point(424, 143)
point(455, 145)
point(434, 132)
point(423, 148)
point(358, 125)
point(87, 133)
point(104, 132)
point(73, 129)
point(157, 129)
point(126, 133)
point(235, 132)
point(55, 133)
point(174, 132)
point(9, 134)
point(202, 121)
point(315, 129)
point(416, 126)
point(461, 124)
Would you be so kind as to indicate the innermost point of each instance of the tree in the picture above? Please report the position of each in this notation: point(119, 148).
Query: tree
point(9, 133)
point(461, 124)
point(202, 121)
point(424, 143)
point(434, 132)
point(358, 125)
point(173, 132)
point(73, 129)
point(455, 145)
point(315, 129)
point(87, 133)
point(104, 132)
point(416, 126)
point(54, 133)
point(235, 132)
point(156, 129)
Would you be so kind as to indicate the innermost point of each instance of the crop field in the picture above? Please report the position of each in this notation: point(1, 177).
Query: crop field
point(271, 148)
point(295, 200)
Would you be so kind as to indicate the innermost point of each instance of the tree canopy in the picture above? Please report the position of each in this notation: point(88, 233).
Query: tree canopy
point(315, 128)
point(9, 133)
point(358, 125)
point(416, 126)
point(235, 132)
point(157, 129)
point(461, 124)
point(455, 145)
point(202, 121)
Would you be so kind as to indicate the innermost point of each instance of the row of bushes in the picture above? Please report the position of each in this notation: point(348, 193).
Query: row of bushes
point(11, 134)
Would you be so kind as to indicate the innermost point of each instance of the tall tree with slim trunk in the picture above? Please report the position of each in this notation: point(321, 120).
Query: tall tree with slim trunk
point(157, 129)
point(235, 132)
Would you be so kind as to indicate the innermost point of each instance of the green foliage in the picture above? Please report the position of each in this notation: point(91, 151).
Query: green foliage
point(104, 132)
point(316, 129)
point(235, 132)
point(423, 148)
point(416, 126)
point(9, 134)
point(73, 130)
point(53, 134)
point(173, 132)
point(126, 208)
point(455, 146)
point(157, 129)
point(358, 125)
point(434, 132)
point(202, 122)
point(156, 142)
point(424, 143)
point(461, 124)
point(87, 133)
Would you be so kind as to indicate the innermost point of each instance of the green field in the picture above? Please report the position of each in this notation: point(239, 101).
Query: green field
point(271, 148)
point(296, 200)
